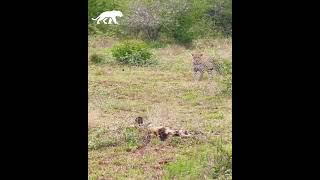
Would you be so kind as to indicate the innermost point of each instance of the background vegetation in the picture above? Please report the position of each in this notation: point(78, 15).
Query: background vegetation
point(179, 21)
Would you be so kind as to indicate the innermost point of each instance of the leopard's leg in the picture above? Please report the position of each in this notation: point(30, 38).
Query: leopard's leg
point(194, 74)
point(200, 75)
point(210, 74)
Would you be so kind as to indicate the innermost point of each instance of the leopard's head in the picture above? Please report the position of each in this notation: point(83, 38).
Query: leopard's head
point(196, 57)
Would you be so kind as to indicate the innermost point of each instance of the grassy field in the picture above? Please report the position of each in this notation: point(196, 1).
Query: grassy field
point(164, 94)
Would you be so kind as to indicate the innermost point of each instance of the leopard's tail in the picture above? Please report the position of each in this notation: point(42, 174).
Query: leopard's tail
point(96, 18)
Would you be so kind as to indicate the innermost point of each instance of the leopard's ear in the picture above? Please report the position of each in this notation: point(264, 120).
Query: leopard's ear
point(201, 55)
point(192, 54)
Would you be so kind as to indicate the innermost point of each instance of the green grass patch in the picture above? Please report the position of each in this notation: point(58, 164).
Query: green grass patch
point(214, 115)
point(190, 96)
point(98, 139)
point(209, 161)
point(190, 164)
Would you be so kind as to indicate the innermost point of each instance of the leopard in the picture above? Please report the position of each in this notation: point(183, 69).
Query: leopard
point(202, 63)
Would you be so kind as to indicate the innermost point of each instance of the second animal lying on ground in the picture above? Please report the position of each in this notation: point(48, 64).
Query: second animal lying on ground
point(161, 131)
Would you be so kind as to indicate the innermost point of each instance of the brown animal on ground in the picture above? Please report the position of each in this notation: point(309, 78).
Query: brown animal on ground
point(160, 131)
point(202, 64)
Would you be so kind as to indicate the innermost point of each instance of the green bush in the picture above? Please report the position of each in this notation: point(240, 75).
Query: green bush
point(181, 31)
point(177, 25)
point(133, 138)
point(132, 53)
point(96, 58)
point(181, 21)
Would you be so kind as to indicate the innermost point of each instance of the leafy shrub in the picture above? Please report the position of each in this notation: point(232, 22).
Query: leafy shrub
point(181, 31)
point(132, 53)
point(96, 58)
point(133, 138)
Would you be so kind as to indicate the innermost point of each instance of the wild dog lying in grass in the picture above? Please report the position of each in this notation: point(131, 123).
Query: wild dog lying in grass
point(162, 132)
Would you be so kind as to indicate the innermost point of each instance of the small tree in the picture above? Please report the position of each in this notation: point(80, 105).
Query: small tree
point(144, 18)
point(151, 18)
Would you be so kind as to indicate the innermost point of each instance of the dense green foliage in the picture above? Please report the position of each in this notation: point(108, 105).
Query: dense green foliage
point(178, 21)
